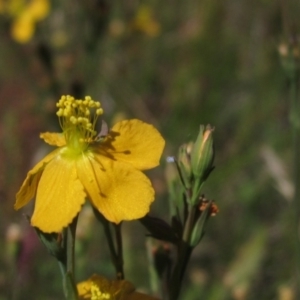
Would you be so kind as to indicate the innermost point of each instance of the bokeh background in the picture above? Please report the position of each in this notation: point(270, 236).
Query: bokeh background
point(175, 64)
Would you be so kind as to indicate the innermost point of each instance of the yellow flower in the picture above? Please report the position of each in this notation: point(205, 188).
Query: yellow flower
point(25, 14)
point(105, 169)
point(99, 288)
point(145, 22)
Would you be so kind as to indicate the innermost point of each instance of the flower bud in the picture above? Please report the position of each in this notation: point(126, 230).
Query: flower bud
point(207, 209)
point(202, 156)
point(184, 163)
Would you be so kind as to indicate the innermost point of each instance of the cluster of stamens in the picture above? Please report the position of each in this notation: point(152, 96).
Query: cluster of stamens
point(96, 294)
point(78, 116)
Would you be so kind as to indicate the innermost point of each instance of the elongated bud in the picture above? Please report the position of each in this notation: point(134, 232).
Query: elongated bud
point(184, 163)
point(202, 156)
point(206, 208)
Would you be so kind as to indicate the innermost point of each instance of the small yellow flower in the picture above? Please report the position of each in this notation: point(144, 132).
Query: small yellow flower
point(24, 14)
point(105, 169)
point(144, 21)
point(100, 288)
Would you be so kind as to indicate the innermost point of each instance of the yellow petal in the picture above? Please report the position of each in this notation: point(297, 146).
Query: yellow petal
point(116, 289)
point(112, 288)
point(38, 9)
point(134, 142)
point(22, 28)
point(2, 7)
point(14, 7)
point(116, 189)
point(84, 289)
point(53, 138)
point(29, 186)
point(60, 196)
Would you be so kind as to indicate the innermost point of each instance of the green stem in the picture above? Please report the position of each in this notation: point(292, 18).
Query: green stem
point(71, 231)
point(189, 224)
point(295, 122)
point(115, 247)
point(67, 262)
point(290, 64)
point(296, 204)
point(184, 249)
point(120, 261)
point(196, 192)
point(184, 252)
point(110, 242)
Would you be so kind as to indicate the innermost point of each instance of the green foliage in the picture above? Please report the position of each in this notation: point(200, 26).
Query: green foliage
point(210, 62)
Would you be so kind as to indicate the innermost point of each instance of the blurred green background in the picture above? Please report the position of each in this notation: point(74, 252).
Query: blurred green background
point(175, 64)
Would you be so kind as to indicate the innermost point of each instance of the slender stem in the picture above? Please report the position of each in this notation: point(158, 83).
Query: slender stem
point(184, 252)
point(110, 242)
point(120, 262)
point(62, 261)
point(295, 123)
point(71, 231)
point(116, 252)
point(67, 261)
point(115, 246)
point(289, 10)
point(189, 224)
point(296, 204)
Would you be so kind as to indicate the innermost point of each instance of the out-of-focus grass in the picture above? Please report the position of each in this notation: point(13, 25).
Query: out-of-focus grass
point(207, 62)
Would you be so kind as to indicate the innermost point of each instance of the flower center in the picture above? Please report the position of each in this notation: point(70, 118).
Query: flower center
point(78, 119)
point(96, 294)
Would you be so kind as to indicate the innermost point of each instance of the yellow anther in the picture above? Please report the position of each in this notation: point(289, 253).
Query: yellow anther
point(96, 293)
point(99, 111)
point(73, 120)
point(85, 121)
point(78, 119)
point(60, 112)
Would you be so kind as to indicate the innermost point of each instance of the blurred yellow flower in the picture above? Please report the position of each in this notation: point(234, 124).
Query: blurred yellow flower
point(24, 14)
point(106, 168)
point(145, 22)
point(100, 288)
